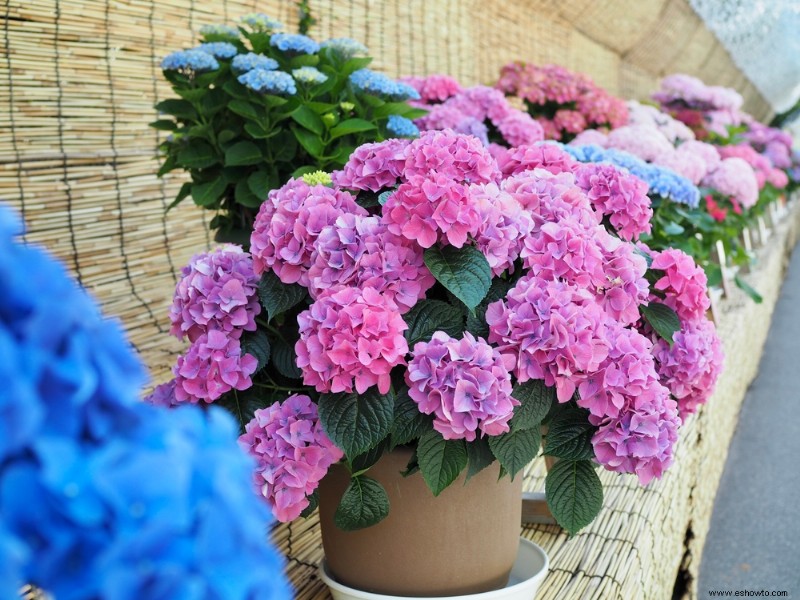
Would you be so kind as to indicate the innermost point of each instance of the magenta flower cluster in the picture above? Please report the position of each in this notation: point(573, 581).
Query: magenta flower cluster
point(433, 89)
point(581, 104)
point(477, 111)
point(463, 383)
point(292, 453)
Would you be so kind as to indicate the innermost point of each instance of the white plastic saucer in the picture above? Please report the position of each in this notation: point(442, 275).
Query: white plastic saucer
point(527, 574)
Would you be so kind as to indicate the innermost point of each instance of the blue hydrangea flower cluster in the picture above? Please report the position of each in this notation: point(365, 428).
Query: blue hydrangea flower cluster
point(261, 22)
point(247, 62)
point(309, 75)
point(218, 30)
point(401, 127)
point(345, 48)
point(102, 496)
point(189, 62)
point(269, 82)
point(660, 180)
point(293, 43)
point(224, 50)
point(377, 84)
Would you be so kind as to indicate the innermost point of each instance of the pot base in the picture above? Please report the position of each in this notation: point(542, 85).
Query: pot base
point(527, 574)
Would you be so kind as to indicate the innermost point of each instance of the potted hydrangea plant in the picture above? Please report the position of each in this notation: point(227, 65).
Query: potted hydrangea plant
point(435, 300)
point(256, 106)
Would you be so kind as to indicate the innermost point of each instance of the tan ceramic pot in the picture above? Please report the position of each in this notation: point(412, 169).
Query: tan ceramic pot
point(464, 541)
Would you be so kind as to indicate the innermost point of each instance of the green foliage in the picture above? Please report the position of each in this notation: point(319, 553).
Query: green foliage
point(574, 493)
point(216, 123)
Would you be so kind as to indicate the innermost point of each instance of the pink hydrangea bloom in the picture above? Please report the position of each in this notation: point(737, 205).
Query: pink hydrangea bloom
point(288, 224)
point(433, 88)
point(590, 137)
point(642, 141)
point(570, 121)
point(538, 156)
point(701, 151)
point(373, 167)
point(504, 224)
point(163, 395)
point(777, 178)
point(684, 90)
point(459, 157)
point(672, 129)
point(691, 367)
point(214, 365)
point(641, 439)
point(628, 375)
point(519, 129)
point(217, 290)
point(350, 339)
point(292, 454)
point(760, 164)
point(430, 209)
point(735, 178)
point(618, 195)
point(359, 251)
point(549, 330)
point(464, 383)
point(683, 163)
point(684, 284)
point(624, 287)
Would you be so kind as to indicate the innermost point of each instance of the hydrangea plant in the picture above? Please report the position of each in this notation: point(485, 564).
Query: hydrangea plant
point(257, 106)
point(431, 294)
point(102, 496)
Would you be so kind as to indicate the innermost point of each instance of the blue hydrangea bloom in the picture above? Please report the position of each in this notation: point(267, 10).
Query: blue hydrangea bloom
point(293, 43)
point(402, 127)
point(309, 75)
point(345, 48)
point(261, 22)
point(189, 61)
point(269, 82)
point(101, 495)
point(223, 50)
point(377, 84)
point(660, 180)
point(220, 31)
point(247, 62)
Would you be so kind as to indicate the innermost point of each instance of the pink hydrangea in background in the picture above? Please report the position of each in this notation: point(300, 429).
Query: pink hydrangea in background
point(359, 251)
point(691, 367)
point(214, 364)
point(760, 164)
point(350, 339)
point(736, 179)
point(373, 167)
point(683, 284)
point(619, 196)
point(292, 454)
point(288, 224)
point(461, 158)
point(675, 131)
point(217, 290)
point(590, 137)
point(641, 439)
point(433, 89)
point(645, 142)
point(464, 384)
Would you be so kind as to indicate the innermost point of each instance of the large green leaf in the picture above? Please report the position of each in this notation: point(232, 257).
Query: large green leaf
point(351, 126)
point(207, 194)
point(243, 153)
point(199, 155)
point(574, 494)
point(479, 456)
point(308, 119)
point(164, 125)
point(429, 316)
point(260, 183)
point(363, 504)
point(662, 319)
point(356, 422)
point(516, 449)
point(440, 460)
point(284, 359)
point(278, 297)
point(256, 343)
point(569, 435)
point(310, 141)
point(463, 271)
point(180, 109)
point(244, 109)
point(245, 196)
point(535, 402)
point(408, 423)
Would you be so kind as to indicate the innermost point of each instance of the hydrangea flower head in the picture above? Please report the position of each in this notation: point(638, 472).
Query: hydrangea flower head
point(537, 156)
point(464, 384)
point(189, 62)
point(373, 167)
point(219, 32)
point(345, 48)
point(350, 339)
point(309, 76)
point(292, 451)
point(504, 225)
point(247, 62)
point(318, 178)
point(401, 127)
point(683, 284)
point(288, 223)
point(461, 158)
point(261, 22)
point(734, 178)
point(269, 82)
point(367, 81)
point(217, 290)
point(433, 89)
point(293, 43)
point(224, 50)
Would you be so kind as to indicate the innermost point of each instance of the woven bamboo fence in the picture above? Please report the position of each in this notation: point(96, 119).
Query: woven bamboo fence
point(78, 81)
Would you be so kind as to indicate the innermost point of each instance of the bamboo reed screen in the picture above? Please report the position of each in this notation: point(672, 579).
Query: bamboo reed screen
point(78, 81)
